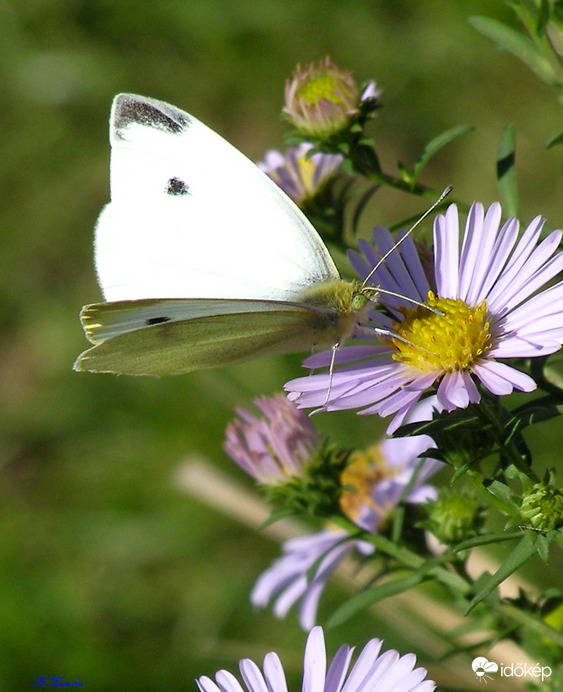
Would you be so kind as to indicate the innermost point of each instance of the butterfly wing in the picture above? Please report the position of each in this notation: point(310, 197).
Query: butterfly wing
point(192, 217)
point(165, 337)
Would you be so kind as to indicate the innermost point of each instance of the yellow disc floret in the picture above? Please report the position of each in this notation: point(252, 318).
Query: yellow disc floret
point(323, 86)
point(364, 471)
point(307, 170)
point(451, 341)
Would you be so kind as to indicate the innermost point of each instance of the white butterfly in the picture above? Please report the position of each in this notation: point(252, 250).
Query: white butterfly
point(202, 258)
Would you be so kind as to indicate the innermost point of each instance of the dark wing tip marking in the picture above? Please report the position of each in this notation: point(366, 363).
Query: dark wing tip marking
point(157, 320)
point(129, 108)
point(177, 188)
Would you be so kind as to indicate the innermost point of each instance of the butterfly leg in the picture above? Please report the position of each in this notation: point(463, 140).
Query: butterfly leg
point(335, 348)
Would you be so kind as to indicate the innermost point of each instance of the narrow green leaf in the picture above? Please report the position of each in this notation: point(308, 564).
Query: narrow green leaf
point(536, 411)
point(548, 373)
point(486, 540)
point(361, 204)
point(554, 141)
point(461, 471)
point(543, 17)
point(503, 497)
point(519, 556)
point(463, 419)
point(377, 593)
point(405, 174)
point(532, 622)
point(543, 547)
point(517, 44)
point(534, 18)
point(434, 146)
point(506, 174)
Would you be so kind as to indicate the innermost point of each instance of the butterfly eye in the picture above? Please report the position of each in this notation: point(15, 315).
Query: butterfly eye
point(176, 188)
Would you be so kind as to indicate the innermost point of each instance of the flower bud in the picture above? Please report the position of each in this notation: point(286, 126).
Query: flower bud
point(543, 508)
point(454, 517)
point(322, 100)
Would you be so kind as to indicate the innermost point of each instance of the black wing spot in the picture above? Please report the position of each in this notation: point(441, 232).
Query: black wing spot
point(157, 114)
point(157, 320)
point(177, 188)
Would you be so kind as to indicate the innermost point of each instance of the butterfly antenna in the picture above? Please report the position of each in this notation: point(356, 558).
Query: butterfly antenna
point(388, 334)
point(379, 290)
point(440, 199)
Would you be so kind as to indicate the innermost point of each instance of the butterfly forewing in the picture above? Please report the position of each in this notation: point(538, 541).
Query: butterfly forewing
point(103, 321)
point(192, 217)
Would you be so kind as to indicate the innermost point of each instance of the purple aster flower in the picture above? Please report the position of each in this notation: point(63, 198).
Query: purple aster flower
point(387, 672)
point(494, 305)
point(300, 176)
point(275, 447)
point(379, 476)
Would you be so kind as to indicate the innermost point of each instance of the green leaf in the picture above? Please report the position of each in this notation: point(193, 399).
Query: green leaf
point(399, 516)
point(361, 204)
point(503, 497)
point(543, 547)
point(434, 146)
point(543, 17)
point(463, 419)
point(276, 515)
point(519, 556)
point(405, 174)
point(517, 44)
point(506, 174)
point(553, 370)
point(554, 141)
point(487, 539)
point(533, 18)
point(536, 411)
point(462, 470)
point(377, 593)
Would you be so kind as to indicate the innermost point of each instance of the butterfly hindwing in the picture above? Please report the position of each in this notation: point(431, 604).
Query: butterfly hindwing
point(174, 346)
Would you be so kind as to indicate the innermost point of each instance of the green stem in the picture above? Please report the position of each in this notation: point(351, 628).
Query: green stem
point(410, 559)
point(499, 434)
point(365, 162)
point(528, 620)
point(461, 585)
point(456, 582)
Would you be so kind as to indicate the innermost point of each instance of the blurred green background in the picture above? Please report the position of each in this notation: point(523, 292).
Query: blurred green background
point(109, 571)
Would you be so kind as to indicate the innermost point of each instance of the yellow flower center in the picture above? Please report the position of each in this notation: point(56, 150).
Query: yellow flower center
point(365, 469)
point(307, 172)
point(452, 341)
point(323, 87)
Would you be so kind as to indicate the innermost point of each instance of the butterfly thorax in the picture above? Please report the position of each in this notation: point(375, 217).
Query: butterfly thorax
point(348, 301)
point(337, 294)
